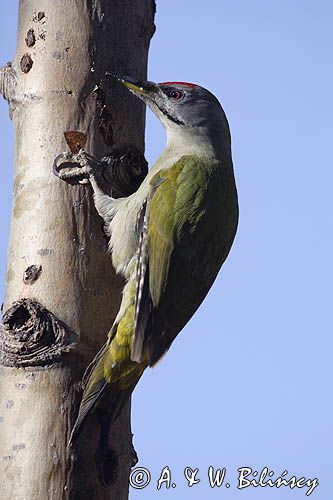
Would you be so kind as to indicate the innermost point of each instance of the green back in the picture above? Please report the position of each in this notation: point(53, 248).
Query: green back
point(192, 222)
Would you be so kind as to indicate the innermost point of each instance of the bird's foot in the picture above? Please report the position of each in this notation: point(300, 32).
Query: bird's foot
point(64, 169)
point(118, 174)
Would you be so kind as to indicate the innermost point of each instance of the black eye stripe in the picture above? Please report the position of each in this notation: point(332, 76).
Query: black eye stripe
point(172, 118)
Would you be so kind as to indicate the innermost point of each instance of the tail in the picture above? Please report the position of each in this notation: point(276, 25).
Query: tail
point(107, 386)
point(108, 383)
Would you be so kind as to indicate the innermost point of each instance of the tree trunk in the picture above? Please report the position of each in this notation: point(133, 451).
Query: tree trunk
point(61, 291)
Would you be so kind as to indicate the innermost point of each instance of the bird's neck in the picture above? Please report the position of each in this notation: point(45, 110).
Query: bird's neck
point(197, 141)
point(185, 140)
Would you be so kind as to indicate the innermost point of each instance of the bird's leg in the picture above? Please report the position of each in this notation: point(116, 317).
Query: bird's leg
point(94, 175)
point(62, 167)
point(89, 171)
point(118, 174)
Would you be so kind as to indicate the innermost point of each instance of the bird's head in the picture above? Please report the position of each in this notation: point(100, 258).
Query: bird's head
point(179, 104)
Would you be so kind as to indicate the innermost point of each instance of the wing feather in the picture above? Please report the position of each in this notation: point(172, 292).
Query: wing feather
point(188, 231)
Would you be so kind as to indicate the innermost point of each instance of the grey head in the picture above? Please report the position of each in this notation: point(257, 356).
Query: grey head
point(179, 104)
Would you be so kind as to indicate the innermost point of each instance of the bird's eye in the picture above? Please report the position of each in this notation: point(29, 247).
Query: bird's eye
point(176, 95)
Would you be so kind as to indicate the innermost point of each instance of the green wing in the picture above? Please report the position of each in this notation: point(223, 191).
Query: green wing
point(191, 220)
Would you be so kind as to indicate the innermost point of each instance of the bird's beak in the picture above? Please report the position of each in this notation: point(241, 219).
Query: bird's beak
point(142, 89)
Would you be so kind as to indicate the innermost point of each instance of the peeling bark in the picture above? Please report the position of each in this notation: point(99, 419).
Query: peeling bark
point(61, 291)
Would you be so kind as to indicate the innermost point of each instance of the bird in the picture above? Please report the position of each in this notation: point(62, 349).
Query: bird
point(168, 240)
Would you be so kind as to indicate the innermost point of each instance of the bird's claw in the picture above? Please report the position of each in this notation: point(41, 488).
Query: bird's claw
point(64, 170)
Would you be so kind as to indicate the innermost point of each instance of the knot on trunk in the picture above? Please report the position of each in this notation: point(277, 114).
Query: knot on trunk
point(124, 169)
point(8, 82)
point(30, 335)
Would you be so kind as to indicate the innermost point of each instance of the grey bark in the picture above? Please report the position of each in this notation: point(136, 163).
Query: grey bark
point(61, 291)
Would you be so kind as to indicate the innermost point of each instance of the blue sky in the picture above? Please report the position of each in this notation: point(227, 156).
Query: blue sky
point(249, 380)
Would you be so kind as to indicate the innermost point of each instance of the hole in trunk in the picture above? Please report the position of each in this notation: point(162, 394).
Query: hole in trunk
point(19, 318)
